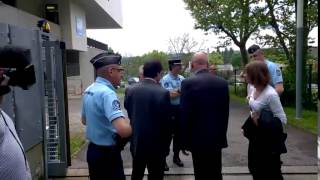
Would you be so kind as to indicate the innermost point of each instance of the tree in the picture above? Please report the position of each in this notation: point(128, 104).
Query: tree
point(236, 19)
point(184, 46)
point(215, 58)
point(132, 64)
point(236, 60)
point(157, 55)
point(110, 50)
point(225, 55)
point(281, 19)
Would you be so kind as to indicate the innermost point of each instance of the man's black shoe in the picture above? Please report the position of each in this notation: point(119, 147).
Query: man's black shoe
point(166, 167)
point(177, 161)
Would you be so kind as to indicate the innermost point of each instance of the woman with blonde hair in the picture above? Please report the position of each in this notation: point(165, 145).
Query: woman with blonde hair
point(264, 127)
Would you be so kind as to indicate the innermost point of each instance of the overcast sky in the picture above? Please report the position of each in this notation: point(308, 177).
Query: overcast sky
point(149, 24)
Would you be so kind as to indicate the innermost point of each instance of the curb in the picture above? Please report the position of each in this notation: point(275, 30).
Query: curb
point(286, 170)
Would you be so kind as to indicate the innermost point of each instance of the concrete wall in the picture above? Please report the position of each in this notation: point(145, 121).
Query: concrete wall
point(36, 161)
point(65, 21)
point(113, 8)
point(79, 42)
point(14, 16)
point(77, 84)
point(86, 68)
point(34, 7)
point(69, 12)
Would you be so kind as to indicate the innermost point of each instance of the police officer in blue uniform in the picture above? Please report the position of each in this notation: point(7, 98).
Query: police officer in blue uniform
point(256, 53)
point(106, 126)
point(172, 82)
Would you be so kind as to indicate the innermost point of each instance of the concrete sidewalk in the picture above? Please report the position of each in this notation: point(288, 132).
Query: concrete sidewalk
point(237, 177)
point(302, 146)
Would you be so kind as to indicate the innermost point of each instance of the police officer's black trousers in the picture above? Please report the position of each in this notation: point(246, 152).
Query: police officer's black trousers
point(263, 165)
point(104, 163)
point(176, 115)
point(154, 164)
point(207, 164)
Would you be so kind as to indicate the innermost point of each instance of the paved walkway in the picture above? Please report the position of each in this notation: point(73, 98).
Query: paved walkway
point(302, 146)
point(225, 177)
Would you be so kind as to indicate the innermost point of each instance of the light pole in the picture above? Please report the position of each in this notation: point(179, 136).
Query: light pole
point(299, 50)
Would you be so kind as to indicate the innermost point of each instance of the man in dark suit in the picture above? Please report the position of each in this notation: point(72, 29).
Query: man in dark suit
point(205, 113)
point(148, 104)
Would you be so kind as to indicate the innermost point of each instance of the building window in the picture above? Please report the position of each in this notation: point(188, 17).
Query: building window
point(52, 13)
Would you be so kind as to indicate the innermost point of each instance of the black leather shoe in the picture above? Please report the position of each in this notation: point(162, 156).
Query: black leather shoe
point(178, 161)
point(166, 167)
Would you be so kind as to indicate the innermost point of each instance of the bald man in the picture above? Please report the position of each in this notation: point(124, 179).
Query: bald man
point(205, 113)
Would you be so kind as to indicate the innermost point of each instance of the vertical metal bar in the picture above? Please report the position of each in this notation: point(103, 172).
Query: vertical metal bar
point(299, 49)
point(235, 81)
point(310, 83)
point(42, 56)
point(65, 100)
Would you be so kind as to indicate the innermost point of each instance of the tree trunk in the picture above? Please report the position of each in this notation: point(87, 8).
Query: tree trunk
point(244, 55)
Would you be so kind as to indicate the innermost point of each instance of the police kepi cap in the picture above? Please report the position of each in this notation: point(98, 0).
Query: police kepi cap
point(175, 61)
point(105, 59)
point(252, 49)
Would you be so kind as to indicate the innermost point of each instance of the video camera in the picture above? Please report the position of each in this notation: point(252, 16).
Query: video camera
point(15, 67)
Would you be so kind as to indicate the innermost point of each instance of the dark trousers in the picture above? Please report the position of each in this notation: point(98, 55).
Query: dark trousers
point(176, 115)
point(154, 164)
point(104, 163)
point(207, 164)
point(263, 165)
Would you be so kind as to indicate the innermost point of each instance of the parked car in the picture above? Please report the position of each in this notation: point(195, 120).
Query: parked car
point(133, 80)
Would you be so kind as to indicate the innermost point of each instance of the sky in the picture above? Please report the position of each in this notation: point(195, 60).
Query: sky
point(149, 24)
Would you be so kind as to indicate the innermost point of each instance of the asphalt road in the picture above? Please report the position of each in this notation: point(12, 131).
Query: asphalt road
point(301, 145)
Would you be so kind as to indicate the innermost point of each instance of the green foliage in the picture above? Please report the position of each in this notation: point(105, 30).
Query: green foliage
point(289, 78)
point(236, 60)
point(227, 55)
point(132, 64)
point(276, 55)
point(120, 91)
point(308, 121)
point(76, 142)
point(288, 97)
point(215, 58)
point(110, 50)
point(237, 20)
point(281, 20)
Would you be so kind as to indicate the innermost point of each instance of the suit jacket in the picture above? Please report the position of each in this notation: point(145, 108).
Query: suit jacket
point(205, 112)
point(268, 136)
point(148, 105)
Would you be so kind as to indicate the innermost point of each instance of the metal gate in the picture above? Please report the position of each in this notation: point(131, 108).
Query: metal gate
point(55, 110)
point(39, 114)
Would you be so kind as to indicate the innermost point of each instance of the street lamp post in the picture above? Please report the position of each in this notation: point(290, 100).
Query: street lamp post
point(299, 50)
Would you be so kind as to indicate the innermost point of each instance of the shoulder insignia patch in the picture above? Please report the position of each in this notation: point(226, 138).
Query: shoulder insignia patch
point(116, 105)
point(166, 85)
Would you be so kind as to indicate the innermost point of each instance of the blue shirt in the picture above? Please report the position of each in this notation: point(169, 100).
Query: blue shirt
point(275, 73)
point(100, 106)
point(172, 83)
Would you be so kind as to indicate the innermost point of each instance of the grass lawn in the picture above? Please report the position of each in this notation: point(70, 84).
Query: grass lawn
point(76, 142)
point(308, 122)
